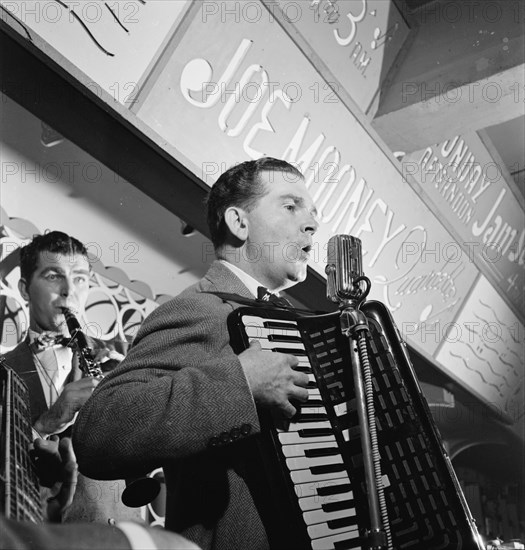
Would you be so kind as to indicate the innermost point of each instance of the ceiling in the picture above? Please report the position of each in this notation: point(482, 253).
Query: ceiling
point(507, 136)
point(509, 140)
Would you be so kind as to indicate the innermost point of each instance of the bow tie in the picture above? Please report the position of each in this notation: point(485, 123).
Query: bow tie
point(49, 339)
point(264, 295)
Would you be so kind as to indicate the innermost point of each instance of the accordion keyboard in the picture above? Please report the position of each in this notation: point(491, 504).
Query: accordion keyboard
point(319, 459)
point(309, 446)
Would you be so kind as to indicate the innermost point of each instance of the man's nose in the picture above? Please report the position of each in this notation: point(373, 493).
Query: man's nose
point(66, 287)
point(311, 225)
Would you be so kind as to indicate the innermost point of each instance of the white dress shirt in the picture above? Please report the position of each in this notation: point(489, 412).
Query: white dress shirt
point(53, 365)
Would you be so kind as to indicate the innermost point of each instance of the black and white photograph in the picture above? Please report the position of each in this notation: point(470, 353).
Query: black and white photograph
point(262, 274)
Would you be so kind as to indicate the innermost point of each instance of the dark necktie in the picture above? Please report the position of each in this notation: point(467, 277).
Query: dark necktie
point(264, 295)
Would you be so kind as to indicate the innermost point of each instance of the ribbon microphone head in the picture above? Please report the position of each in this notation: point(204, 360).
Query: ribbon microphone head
point(344, 269)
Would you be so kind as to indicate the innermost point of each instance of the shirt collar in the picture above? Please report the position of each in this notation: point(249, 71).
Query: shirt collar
point(32, 335)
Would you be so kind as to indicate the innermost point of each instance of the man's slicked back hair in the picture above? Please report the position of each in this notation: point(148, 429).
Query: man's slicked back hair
point(54, 242)
point(241, 186)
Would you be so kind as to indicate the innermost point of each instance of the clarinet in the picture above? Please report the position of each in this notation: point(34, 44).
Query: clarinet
point(87, 362)
point(141, 490)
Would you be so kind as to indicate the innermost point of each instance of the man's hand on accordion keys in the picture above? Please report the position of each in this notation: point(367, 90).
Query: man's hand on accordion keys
point(272, 379)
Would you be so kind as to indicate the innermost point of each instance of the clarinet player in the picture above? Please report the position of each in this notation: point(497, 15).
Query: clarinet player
point(185, 400)
point(55, 273)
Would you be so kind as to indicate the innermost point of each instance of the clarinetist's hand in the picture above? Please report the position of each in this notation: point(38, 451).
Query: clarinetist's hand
point(104, 354)
point(69, 402)
point(272, 379)
point(108, 359)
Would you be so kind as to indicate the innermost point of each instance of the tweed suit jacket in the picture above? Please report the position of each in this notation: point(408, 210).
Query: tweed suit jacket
point(48, 536)
point(183, 403)
point(94, 500)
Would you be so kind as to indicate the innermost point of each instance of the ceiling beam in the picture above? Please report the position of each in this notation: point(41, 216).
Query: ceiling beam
point(463, 71)
point(461, 109)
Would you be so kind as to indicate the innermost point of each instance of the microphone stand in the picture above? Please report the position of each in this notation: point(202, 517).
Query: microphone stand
point(344, 286)
point(354, 325)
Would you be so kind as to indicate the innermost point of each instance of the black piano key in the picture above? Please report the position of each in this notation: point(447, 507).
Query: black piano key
point(342, 522)
point(290, 351)
point(327, 469)
point(314, 403)
point(310, 417)
point(339, 505)
point(315, 432)
point(273, 324)
point(307, 370)
point(328, 490)
point(348, 544)
point(322, 451)
point(284, 338)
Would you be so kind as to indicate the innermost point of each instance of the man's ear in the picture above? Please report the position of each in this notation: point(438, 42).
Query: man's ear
point(235, 219)
point(22, 287)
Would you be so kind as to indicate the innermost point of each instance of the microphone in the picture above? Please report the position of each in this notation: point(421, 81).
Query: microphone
point(344, 270)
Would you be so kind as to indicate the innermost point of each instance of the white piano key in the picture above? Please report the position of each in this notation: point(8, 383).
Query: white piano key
point(305, 490)
point(313, 517)
point(328, 543)
point(253, 330)
point(299, 450)
point(312, 410)
point(314, 393)
point(293, 438)
point(306, 476)
point(263, 333)
point(270, 346)
point(296, 426)
point(254, 322)
point(302, 462)
point(315, 502)
point(320, 530)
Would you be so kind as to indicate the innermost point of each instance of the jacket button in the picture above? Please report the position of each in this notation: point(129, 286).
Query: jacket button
point(246, 429)
point(213, 442)
point(225, 437)
point(235, 433)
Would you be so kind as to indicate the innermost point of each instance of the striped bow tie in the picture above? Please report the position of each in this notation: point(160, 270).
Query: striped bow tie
point(49, 339)
point(264, 295)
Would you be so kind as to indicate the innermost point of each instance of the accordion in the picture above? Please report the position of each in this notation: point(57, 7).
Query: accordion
point(312, 492)
point(19, 486)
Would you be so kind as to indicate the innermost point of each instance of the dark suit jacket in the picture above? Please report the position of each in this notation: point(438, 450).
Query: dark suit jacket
point(94, 500)
point(183, 402)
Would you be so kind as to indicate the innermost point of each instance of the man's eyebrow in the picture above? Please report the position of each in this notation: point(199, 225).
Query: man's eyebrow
point(300, 201)
point(51, 268)
point(59, 270)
